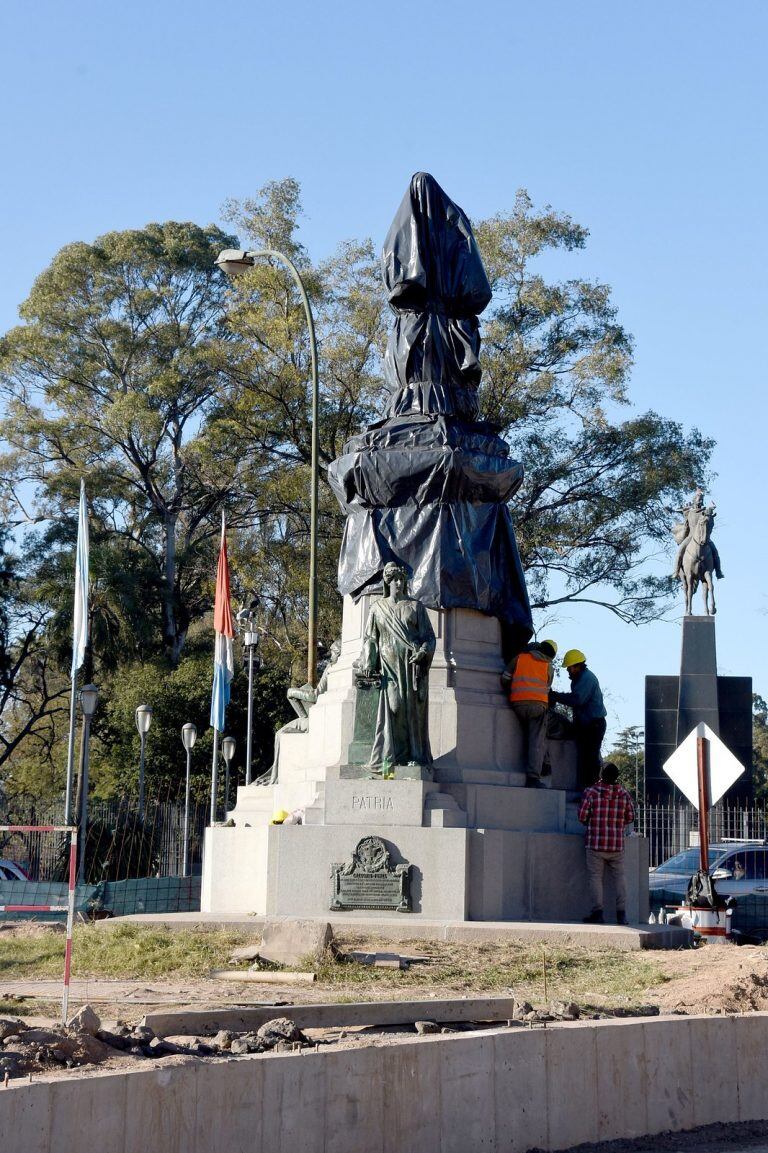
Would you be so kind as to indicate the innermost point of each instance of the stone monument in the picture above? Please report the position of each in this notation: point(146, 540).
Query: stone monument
point(409, 779)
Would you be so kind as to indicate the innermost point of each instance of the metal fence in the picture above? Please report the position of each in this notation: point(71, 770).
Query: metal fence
point(120, 843)
point(671, 828)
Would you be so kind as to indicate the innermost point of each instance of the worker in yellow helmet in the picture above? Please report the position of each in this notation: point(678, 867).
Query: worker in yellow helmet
point(526, 681)
point(586, 700)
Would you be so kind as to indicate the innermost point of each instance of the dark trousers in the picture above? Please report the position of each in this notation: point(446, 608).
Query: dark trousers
point(533, 720)
point(589, 739)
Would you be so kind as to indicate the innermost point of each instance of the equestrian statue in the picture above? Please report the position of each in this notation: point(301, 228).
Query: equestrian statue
point(697, 561)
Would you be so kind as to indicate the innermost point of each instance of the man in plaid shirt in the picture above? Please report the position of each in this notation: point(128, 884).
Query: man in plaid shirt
point(606, 809)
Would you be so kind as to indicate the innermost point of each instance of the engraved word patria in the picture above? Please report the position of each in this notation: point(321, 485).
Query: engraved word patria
point(374, 802)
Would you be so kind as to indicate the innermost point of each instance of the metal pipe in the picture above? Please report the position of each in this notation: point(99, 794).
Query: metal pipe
point(70, 754)
point(143, 737)
point(702, 760)
point(249, 736)
point(84, 799)
point(214, 775)
point(248, 257)
point(185, 854)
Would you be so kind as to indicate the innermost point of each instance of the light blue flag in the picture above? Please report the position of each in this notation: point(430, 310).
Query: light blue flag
point(80, 616)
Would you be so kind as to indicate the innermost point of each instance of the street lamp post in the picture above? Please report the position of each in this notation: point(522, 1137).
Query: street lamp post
point(143, 721)
point(236, 260)
point(246, 618)
point(188, 738)
point(228, 751)
point(89, 697)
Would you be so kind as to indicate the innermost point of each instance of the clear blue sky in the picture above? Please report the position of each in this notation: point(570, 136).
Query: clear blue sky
point(646, 122)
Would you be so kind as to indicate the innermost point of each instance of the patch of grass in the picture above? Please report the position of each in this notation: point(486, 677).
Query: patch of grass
point(606, 976)
point(127, 951)
point(29, 1007)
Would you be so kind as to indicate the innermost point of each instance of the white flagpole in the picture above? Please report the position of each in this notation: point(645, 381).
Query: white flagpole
point(79, 638)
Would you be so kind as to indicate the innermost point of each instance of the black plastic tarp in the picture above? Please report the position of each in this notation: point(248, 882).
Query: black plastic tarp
point(428, 485)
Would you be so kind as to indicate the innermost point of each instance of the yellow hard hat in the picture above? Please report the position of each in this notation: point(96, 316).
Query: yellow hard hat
point(279, 816)
point(573, 657)
point(552, 644)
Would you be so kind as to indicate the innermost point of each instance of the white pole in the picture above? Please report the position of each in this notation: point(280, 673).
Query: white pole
point(70, 753)
point(214, 775)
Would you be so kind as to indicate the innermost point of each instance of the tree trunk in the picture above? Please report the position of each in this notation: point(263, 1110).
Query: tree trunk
point(173, 637)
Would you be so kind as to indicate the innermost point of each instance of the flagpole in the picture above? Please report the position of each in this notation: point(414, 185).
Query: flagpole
point(214, 775)
point(79, 636)
point(223, 666)
point(70, 753)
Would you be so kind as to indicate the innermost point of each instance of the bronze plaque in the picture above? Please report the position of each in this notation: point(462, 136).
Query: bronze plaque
point(367, 880)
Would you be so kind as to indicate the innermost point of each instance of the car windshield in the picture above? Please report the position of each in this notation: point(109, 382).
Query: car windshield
point(687, 862)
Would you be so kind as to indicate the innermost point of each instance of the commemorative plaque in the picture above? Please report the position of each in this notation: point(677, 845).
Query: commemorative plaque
point(367, 880)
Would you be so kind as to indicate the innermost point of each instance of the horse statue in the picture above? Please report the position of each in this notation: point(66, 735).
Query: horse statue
point(698, 562)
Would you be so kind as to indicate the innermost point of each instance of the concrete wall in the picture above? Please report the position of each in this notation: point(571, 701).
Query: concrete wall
point(238, 883)
point(504, 1090)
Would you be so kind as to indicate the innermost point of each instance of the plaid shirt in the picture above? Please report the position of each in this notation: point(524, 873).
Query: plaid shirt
point(606, 810)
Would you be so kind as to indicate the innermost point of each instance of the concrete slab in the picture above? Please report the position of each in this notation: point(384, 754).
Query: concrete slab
point(521, 1090)
point(669, 1074)
point(26, 1118)
point(467, 1095)
point(621, 1081)
point(162, 1102)
point(74, 1107)
point(752, 1066)
point(289, 942)
point(293, 1115)
point(714, 1064)
point(571, 1085)
point(205, 1022)
point(405, 928)
point(231, 1090)
point(412, 1080)
point(354, 1106)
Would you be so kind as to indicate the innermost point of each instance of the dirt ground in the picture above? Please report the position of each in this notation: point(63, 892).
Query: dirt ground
point(708, 979)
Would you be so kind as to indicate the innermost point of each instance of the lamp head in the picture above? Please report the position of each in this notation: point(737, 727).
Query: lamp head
point(228, 748)
point(89, 698)
point(233, 261)
point(143, 718)
point(188, 736)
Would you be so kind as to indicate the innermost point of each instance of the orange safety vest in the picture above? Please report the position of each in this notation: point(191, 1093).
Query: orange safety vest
point(530, 681)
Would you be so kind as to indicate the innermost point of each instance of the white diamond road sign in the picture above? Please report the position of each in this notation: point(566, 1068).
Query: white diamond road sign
point(683, 768)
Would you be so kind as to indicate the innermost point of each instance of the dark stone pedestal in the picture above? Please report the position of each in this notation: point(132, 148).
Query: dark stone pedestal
point(675, 705)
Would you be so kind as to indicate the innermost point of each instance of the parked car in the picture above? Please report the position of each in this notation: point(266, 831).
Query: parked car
point(10, 871)
point(737, 868)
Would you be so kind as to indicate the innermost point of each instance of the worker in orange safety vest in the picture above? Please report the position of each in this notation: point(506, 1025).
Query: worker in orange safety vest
point(526, 682)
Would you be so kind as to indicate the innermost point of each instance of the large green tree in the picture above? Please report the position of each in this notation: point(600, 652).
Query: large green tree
point(115, 375)
point(595, 502)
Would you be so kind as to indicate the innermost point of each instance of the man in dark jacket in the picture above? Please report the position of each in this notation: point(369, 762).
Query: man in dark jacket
point(606, 809)
point(586, 700)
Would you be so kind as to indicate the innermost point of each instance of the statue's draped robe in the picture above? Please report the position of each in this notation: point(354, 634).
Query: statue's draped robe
point(394, 631)
point(437, 285)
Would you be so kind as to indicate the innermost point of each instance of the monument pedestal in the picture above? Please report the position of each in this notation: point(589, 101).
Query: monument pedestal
point(481, 846)
point(675, 705)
